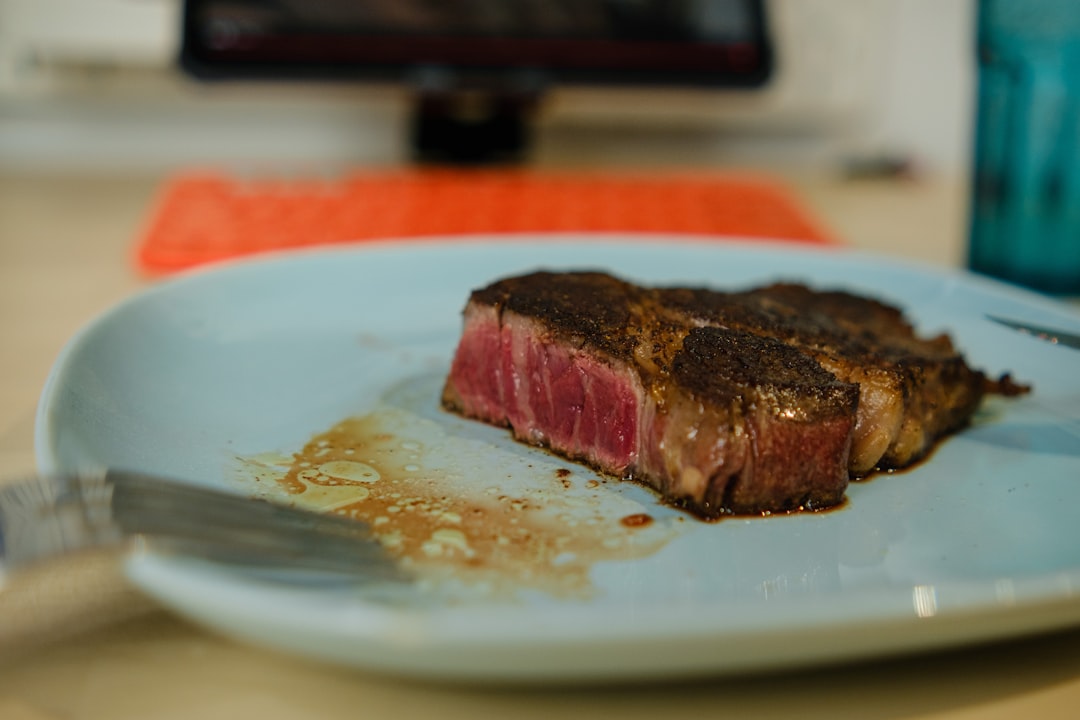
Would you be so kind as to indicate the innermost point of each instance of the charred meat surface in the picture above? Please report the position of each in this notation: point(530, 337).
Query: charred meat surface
point(748, 425)
point(912, 391)
point(764, 400)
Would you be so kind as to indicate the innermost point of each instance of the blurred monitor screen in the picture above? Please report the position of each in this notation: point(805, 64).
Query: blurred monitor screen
point(718, 43)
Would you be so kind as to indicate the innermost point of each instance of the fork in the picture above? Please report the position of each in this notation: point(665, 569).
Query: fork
point(45, 517)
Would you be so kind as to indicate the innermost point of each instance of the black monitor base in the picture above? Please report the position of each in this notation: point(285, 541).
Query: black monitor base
point(472, 127)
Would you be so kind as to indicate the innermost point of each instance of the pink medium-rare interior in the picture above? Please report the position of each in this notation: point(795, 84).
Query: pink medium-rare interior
point(506, 373)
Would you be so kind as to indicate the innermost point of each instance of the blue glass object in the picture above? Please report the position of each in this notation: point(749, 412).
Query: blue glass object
point(1025, 216)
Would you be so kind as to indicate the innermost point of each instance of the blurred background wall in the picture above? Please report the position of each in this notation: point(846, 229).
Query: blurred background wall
point(92, 84)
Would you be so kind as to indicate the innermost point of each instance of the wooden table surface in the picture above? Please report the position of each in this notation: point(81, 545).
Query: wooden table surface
point(76, 642)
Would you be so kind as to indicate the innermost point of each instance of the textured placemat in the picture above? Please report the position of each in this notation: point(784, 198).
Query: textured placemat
point(201, 218)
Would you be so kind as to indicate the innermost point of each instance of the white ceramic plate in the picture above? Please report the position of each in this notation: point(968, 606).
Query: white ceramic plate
point(218, 367)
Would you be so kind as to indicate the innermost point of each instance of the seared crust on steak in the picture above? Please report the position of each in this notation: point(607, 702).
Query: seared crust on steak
point(912, 390)
point(758, 401)
point(795, 416)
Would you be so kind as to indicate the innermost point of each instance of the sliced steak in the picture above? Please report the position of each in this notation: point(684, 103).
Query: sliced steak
point(748, 424)
point(912, 390)
point(718, 420)
point(763, 400)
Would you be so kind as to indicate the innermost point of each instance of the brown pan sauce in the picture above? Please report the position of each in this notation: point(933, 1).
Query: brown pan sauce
point(461, 513)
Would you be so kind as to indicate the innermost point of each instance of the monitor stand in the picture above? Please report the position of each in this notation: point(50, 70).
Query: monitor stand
point(473, 124)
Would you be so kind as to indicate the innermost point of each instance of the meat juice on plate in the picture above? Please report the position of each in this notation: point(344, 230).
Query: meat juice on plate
point(460, 512)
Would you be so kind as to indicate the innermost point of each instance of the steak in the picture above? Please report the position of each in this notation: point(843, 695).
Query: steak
point(759, 401)
point(912, 391)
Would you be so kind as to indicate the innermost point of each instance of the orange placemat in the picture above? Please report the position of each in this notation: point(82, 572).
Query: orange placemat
point(201, 218)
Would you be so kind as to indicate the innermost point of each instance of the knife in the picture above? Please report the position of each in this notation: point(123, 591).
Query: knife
point(1051, 335)
point(43, 517)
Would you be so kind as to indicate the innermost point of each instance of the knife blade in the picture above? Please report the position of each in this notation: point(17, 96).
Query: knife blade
point(1055, 336)
point(43, 517)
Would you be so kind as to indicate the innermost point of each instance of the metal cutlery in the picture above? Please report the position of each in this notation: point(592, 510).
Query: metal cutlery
point(44, 517)
point(1051, 335)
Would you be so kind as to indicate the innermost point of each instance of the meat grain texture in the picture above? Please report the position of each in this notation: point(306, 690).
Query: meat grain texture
point(761, 401)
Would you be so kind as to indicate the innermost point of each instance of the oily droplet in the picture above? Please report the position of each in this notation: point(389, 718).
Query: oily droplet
point(350, 470)
point(637, 520)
